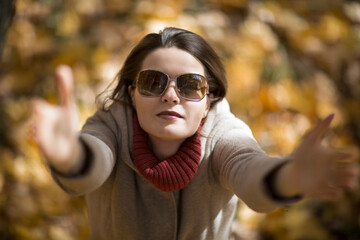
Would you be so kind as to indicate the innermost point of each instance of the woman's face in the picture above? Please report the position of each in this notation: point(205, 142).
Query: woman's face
point(170, 117)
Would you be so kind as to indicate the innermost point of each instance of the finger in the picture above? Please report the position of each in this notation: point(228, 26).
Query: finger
point(39, 108)
point(339, 157)
point(65, 84)
point(43, 116)
point(346, 176)
point(328, 193)
point(322, 128)
point(35, 118)
point(350, 156)
point(332, 195)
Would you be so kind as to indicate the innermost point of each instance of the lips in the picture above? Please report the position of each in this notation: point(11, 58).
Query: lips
point(170, 114)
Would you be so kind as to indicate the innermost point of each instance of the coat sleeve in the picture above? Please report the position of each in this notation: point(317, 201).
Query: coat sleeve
point(242, 167)
point(98, 137)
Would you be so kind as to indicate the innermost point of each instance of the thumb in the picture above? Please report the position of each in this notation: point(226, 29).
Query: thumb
point(320, 130)
point(65, 84)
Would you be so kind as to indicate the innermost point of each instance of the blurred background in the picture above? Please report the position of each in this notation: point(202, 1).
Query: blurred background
point(288, 64)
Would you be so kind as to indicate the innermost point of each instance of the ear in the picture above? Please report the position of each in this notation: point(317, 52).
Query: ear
point(131, 92)
point(207, 107)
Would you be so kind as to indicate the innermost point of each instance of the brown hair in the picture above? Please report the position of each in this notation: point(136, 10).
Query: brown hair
point(171, 37)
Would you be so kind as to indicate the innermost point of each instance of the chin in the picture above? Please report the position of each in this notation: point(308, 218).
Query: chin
point(171, 135)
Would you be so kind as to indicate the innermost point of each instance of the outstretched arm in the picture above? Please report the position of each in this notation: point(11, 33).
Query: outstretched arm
point(316, 171)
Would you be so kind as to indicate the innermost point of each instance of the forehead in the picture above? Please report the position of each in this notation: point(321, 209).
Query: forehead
point(172, 61)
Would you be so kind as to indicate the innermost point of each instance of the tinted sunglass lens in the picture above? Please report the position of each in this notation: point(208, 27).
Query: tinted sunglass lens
point(191, 86)
point(151, 83)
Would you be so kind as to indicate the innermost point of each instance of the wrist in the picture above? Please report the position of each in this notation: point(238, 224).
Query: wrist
point(73, 163)
point(286, 182)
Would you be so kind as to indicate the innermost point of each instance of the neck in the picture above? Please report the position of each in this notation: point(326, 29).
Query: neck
point(164, 149)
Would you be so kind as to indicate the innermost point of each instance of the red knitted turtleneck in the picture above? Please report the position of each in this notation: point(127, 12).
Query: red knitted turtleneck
point(170, 174)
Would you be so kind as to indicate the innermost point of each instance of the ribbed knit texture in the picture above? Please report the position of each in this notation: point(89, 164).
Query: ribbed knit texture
point(170, 174)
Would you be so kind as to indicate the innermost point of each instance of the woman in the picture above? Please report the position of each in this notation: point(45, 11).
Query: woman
point(167, 159)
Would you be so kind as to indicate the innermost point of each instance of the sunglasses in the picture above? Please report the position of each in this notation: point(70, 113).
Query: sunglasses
point(190, 86)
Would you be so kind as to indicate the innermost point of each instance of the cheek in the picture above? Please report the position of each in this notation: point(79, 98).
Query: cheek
point(198, 113)
point(145, 108)
point(139, 102)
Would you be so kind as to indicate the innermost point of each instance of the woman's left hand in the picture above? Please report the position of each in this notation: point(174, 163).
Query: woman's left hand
point(316, 171)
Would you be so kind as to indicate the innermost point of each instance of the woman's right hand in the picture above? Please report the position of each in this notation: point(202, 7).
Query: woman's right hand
point(55, 126)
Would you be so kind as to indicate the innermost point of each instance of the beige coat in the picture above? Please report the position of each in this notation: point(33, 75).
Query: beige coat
point(123, 205)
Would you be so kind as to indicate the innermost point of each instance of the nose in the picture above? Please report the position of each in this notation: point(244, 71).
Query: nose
point(170, 95)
